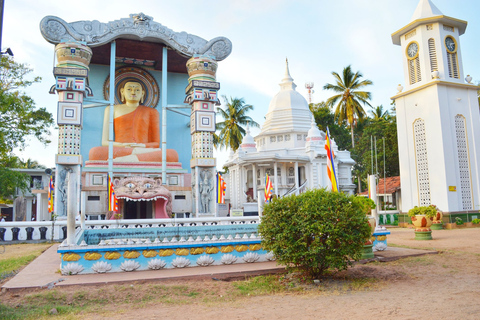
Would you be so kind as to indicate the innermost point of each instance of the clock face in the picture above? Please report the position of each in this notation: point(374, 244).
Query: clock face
point(450, 44)
point(412, 50)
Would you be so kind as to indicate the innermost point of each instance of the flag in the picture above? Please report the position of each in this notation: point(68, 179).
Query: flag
point(332, 175)
point(198, 93)
point(112, 198)
point(50, 195)
point(268, 188)
point(221, 186)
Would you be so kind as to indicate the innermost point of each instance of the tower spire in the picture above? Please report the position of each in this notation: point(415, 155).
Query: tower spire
point(425, 9)
point(287, 81)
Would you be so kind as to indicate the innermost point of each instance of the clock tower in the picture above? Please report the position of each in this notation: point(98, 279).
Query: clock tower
point(438, 118)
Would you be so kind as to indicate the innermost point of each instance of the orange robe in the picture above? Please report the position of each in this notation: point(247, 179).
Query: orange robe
point(139, 126)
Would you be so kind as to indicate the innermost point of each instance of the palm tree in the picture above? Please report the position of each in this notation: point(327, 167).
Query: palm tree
point(30, 164)
point(234, 116)
point(349, 97)
point(378, 113)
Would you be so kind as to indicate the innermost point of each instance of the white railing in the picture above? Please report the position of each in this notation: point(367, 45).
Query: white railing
point(42, 231)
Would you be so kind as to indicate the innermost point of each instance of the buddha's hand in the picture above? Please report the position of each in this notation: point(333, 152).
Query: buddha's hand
point(133, 145)
point(138, 145)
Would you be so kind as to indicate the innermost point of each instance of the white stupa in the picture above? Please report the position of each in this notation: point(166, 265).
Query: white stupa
point(290, 149)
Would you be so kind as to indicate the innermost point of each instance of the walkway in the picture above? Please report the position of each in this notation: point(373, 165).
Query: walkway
point(45, 271)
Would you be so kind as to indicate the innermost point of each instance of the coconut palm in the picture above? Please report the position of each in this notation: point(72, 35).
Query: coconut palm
point(349, 98)
point(378, 113)
point(234, 116)
point(30, 164)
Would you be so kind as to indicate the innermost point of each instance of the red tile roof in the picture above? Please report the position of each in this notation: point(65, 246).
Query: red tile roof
point(391, 185)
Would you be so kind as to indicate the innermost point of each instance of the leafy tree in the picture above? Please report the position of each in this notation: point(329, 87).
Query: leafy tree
point(11, 179)
point(19, 119)
point(379, 113)
point(349, 98)
point(231, 130)
point(317, 231)
point(30, 164)
point(362, 153)
point(325, 118)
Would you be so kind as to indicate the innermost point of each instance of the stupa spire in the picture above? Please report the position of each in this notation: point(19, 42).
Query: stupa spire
point(287, 81)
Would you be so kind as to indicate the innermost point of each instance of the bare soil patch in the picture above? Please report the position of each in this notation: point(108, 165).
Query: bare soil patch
point(441, 286)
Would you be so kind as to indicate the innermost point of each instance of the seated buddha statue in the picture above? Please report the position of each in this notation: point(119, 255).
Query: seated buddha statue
point(136, 129)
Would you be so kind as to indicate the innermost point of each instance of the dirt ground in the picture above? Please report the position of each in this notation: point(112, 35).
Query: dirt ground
point(436, 286)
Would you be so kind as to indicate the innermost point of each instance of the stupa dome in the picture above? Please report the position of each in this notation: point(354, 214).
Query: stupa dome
point(288, 110)
point(248, 144)
point(315, 135)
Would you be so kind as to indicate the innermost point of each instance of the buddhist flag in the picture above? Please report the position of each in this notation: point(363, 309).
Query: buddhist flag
point(50, 195)
point(221, 186)
point(268, 188)
point(112, 198)
point(332, 175)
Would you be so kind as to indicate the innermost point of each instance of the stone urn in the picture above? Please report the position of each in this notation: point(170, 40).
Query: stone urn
point(437, 221)
point(422, 225)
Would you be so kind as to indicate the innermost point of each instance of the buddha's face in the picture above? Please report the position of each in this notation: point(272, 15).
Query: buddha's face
point(132, 92)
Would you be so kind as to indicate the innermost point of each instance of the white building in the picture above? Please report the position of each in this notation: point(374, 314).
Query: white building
point(290, 148)
point(33, 204)
point(438, 116)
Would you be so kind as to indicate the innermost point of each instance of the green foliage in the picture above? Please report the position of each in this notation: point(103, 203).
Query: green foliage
point(325, 118)
point(362, 153)
point(476, 221)
point(349, 97)
point(260, 285)
point(379, 113)
point(18, 116)
point(19, 119)
point(317, 231)
point(231, 130)
point(366, 204)
point(428, 211)
point(458, 221)
point(9, 265)
point(11, 180)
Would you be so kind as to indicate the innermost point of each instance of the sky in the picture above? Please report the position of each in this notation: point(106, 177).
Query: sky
point(317, 37)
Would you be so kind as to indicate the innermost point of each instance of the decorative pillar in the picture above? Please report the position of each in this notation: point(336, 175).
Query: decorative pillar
point(254, 176)
point(276, 177)
point(296, 178)
point(71, 74)
point(202, 96)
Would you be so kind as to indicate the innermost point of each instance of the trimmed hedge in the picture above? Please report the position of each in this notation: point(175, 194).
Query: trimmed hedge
point(316, 231)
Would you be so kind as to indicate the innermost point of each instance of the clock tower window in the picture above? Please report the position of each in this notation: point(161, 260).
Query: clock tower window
point(413, 62)
point(433, 55)
point(452, 59)
point(463, 163)
point(452, 65)
point(414, 70)
point(423, 179)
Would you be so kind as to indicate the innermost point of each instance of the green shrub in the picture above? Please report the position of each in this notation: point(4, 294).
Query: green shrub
point(476, 221)
point(458, 221)
point(317, 231)
point(366, 204)
point(428, 211)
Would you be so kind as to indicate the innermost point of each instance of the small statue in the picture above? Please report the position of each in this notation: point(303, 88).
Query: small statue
point(205, 191)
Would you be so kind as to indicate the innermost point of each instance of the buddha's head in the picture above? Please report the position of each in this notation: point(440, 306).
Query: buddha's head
point(132, 92)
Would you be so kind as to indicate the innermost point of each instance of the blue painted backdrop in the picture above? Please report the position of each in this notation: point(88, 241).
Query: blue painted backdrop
point(178, 134)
